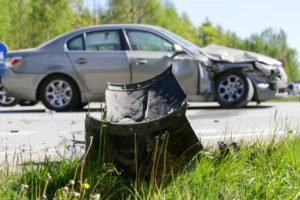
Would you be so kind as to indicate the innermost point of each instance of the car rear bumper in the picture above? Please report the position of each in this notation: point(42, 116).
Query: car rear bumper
point(21, 85)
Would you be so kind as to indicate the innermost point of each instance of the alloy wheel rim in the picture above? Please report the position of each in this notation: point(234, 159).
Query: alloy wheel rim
point(5, 100)
point(58, 93)
point(231, 88)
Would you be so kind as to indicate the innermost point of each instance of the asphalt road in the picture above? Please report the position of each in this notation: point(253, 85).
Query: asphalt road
point(27, 132)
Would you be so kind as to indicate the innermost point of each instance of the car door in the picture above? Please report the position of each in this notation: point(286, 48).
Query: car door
point(149, 54)
point(99, 57)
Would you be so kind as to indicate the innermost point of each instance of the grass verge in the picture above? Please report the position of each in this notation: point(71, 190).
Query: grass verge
point(252, 171)
point(287, 99)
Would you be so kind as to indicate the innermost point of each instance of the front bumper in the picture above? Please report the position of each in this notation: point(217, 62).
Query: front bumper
point(270, 82)
point(264, 92)
point(20, 85)
point(270, 87)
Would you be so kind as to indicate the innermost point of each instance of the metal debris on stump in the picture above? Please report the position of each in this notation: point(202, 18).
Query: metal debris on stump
point(145, 129)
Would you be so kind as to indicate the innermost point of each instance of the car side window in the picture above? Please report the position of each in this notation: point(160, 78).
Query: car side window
point(76, 44)
point(103, 41)
point(146, 41)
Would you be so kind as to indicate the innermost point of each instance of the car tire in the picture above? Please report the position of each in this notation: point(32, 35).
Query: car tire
point(6, 101)
point(59, 93)
point(233, 90)
point(27, 102)
point(81, 106)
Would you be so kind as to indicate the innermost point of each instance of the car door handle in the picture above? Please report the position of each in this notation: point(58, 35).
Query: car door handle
point(141, 62)
point(81, 61)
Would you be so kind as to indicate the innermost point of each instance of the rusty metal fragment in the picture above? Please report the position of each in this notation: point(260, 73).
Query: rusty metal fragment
point(146, 127)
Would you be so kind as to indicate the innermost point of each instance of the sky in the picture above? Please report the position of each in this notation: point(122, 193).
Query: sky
point(244, 17)
point(247, 17)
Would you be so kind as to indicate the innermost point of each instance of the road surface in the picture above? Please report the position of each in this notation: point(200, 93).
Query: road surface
point(36, 132)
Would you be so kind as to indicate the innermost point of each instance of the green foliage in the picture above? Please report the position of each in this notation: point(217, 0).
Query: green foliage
point(130, 11)
point(274, 43)
point(210, 34)
point(62, 179)
point(8, 188)
point(36, 176)
point(13, 13)
point(28, 23)
point(82, 16)
point(47, 19)
point(255, 171)
point(259, 171)
point(290, 98)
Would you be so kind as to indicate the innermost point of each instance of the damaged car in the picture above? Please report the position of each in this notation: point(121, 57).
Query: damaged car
point(71, 70)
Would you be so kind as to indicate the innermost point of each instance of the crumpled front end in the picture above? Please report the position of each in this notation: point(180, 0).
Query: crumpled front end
point(266, 73)
point(231, 55)
point(270, 83)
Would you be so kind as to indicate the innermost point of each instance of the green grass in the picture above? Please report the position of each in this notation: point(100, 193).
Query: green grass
point(254, 171)
point(287, 99)
point(258, 171)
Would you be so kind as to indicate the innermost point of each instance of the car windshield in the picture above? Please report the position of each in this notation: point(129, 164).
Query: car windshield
point(181, 40)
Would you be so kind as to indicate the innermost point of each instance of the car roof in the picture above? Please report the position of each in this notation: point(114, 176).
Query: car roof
point(119, 26)
point(51, 43)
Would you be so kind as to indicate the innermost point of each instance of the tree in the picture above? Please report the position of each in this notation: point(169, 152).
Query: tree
point(130, 11)
point(82, 15)
point(274, 43)
point(12, 22)
point(47, 19)
point(4, 20)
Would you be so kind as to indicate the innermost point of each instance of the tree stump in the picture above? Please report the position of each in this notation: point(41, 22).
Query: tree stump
point(145, 131)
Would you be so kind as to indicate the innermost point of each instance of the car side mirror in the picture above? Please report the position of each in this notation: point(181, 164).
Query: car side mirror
point(177, 50)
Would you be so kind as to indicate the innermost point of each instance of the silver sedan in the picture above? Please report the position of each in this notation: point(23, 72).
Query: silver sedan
point(73, 69)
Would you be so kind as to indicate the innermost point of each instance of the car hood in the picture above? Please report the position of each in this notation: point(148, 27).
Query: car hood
point(221, 53)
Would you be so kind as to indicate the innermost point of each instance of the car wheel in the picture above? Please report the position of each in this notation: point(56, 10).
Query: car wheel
point(59, 93)
point(81, 106)
point(5, 100)
point(233, 90)
point(27, 103)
